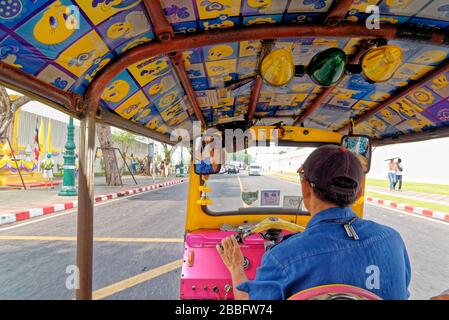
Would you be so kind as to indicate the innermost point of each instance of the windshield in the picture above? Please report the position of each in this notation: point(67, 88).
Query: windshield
point(266, 179)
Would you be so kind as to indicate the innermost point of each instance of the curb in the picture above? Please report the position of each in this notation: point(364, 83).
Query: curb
point(411, 209)
point(36, 212)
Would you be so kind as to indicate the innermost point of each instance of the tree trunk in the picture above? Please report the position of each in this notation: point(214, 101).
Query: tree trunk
point(112, 173)
point(148, 166)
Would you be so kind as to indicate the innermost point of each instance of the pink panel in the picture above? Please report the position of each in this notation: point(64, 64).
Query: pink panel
point(208, 271)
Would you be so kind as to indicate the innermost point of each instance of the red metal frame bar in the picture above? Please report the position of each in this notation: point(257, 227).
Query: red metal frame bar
point(315, 104)
point(162, 28)
point(435, 72)
point(338, 12)
point(18, 79)
point(214, 37)
point(255, 94)
point(187, 85)
point(164, 32)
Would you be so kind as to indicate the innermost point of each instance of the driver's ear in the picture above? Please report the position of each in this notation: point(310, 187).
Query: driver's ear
point(306, 188)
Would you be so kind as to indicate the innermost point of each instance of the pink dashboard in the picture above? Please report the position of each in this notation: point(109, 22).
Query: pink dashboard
point(204, 276)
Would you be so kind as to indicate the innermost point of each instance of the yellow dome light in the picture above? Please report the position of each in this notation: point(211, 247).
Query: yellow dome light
point(379, 64)
point(277, 67)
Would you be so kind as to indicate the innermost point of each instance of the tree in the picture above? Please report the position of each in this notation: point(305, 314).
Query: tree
point(124, 140)
point(166, 153)
point(8, 106)
point(109, 157)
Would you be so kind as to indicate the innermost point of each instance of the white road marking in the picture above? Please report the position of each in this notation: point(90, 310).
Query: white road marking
point(410, 214)
point(56, 215)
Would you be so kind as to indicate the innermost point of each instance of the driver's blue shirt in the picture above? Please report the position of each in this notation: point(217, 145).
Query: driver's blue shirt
point(324, 254)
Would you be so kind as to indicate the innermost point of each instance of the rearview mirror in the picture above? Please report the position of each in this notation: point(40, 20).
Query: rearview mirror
point(208, 153)
point(361, 147)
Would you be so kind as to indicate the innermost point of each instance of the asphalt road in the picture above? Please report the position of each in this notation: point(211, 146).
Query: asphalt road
point(36, 268)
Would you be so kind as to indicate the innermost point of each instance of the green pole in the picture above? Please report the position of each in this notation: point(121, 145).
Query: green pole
point(68, 186)
point(181, 165)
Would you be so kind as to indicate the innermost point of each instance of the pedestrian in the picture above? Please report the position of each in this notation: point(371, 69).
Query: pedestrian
point(133, 164)
point(162, 169)
point(400, 168)
point(392, 174)
point(48, 165)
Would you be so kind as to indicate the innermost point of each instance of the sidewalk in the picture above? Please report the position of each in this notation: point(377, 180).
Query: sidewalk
point(413, 195)
point(20, 200)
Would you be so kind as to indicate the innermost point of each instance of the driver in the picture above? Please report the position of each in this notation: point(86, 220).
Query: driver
point(337, 247)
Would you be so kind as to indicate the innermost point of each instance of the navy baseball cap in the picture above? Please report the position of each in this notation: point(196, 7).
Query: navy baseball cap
point(326, 164)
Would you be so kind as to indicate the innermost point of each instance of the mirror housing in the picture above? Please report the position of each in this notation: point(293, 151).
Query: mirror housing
point(207, 155)
point(360, 145)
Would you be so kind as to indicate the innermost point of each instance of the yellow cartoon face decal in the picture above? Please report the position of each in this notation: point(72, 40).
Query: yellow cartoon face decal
point(120, 30)
point(116, 92)
point(56, 25)
point(168, 99)
point(155, 89)
point(81, 55)
point(344, 94)
point(261, 5)
point(377, 124)
point(398, 4)
point(135, 43)
point(260, 20)
point(131, 106)
point(211, 9)
point(221, 68)
point(220, 25)
point(100, 10)
point(147, 70)
point(390, 116)
point(440, 82)
point(153, 123)
point(220, 52)
point(380, 96)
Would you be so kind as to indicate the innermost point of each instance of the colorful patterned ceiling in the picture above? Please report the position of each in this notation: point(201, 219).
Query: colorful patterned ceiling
point(66, 43)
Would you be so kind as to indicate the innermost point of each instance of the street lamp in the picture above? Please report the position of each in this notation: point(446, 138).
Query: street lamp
point(68, 185)
point(181, 165)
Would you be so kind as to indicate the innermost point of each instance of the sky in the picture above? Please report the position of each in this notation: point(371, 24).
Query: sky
point(426, 161)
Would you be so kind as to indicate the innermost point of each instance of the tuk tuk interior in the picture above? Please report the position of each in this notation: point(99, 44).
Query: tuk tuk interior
point(376, 68)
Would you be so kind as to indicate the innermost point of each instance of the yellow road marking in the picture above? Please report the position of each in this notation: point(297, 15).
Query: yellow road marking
point(241, 190)
point(98, 239)
point(133, 281)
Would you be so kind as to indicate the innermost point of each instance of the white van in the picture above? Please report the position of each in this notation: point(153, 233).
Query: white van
point(255, 170)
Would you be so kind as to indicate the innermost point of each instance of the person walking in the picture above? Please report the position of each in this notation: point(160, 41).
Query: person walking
point(392, 169)
point(48, 165)
point(133, 164)
point(400, 168)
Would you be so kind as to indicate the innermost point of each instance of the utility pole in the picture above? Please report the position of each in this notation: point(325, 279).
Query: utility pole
point(68, 186)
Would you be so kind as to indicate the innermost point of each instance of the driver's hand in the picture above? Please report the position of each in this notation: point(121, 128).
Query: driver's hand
point(231, 254)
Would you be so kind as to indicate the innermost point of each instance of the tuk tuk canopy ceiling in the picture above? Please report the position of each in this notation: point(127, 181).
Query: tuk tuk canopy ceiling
point(34, 38)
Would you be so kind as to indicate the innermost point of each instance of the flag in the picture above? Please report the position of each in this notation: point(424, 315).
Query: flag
point(48, 147)
point(36, 148)
point(41, 139)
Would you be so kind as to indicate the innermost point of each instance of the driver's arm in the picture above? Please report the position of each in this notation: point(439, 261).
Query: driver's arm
point(270, 281)
point(233, 259)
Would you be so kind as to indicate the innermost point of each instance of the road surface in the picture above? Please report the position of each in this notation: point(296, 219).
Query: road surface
point(34, 255)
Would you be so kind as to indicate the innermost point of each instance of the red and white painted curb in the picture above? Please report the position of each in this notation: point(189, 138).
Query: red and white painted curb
point(36, 212)
point(411, 209)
